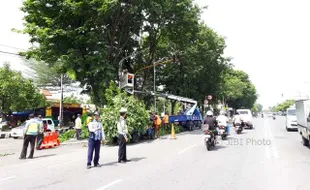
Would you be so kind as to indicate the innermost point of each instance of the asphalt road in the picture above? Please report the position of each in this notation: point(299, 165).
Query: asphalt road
point(267, 157)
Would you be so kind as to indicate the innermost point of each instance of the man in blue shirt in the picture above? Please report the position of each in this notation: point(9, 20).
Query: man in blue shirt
point(96, 135)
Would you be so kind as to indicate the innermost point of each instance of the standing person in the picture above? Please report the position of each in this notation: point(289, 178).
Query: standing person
point(78, 126)
point(157, 123)
point(32, 130)
point(96, 135)
point(122, 136)
point(41, 133)
point(166, 121)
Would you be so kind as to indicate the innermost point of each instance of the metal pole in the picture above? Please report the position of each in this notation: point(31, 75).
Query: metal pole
point(154, 87)
point(61, 102)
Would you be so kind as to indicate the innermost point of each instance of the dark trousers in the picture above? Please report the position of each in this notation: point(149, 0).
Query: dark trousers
point(122, 148)
point(39, 140)
point(93, 145)
point(28, 139)
point(78, 133)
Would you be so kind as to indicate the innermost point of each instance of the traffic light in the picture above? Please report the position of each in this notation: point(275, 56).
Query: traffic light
point(130, 79)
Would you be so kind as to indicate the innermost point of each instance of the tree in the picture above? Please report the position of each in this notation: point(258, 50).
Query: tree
point(237, 89)
point(44, 75)
point(18, 93)
point(283, 106)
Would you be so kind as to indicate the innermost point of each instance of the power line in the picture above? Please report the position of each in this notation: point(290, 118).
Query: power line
point(9, 53)
point(11, 47)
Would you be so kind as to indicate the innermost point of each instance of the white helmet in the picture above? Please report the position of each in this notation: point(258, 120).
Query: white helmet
point(209, 113)
point(222, 112)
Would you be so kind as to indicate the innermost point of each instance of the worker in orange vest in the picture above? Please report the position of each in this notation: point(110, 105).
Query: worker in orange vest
point(166, 121)
point(157, 123)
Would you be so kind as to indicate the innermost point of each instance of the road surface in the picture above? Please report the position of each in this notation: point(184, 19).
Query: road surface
point(266, 158)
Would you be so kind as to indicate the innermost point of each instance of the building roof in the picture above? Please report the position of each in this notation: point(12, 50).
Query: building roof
point(45, 92)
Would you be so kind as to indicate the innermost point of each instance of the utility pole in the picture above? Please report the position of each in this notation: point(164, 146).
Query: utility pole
point(61, 102)
point(154, 87)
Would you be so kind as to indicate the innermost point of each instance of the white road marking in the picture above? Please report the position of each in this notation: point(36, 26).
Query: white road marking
point(271, 150)
point(110, 184)
point(7, 178)
point(187, 148)
point(55, 166)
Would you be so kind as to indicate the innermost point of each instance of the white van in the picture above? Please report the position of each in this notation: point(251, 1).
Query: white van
point(246, 116)
point(291, 119)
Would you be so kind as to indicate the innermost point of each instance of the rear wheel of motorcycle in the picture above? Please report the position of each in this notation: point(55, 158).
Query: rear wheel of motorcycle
point(208, 144)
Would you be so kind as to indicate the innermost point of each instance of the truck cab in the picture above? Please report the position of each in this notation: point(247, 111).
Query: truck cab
point(303, 120)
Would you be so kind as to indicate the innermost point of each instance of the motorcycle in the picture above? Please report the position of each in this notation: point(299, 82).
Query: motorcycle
point(222, 132)
point(210, 139)
point(274, 117)
point(262, 115)
point(239, 128)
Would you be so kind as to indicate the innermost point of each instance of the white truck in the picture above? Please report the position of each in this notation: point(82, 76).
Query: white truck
point(303, 119)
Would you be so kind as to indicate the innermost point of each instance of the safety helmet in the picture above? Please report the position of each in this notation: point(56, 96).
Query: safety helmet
point(222, 112)
point(209, 113)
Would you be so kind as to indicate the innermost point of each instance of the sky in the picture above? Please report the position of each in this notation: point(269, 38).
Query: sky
point(268, 39)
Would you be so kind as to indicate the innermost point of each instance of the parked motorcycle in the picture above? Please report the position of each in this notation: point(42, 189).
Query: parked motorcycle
point(210, 139)
point(222, 132)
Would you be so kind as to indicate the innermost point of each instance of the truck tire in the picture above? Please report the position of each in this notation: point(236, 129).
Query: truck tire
point(188, 125)
point(305, 141)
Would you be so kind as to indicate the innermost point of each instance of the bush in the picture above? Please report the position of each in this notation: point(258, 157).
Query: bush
point(67, 135)
point(137, 116)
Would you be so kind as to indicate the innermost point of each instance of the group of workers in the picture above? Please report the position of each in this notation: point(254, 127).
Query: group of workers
point(157, 122)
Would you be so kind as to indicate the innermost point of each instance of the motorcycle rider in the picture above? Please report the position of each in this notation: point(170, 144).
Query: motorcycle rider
point(222, 120)
point(237, 120)
point(211, 122)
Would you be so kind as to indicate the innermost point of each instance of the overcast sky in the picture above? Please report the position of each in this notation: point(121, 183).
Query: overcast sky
point(268, 39)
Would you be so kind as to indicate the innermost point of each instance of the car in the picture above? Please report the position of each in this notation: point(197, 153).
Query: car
point(19, 131)
point(270, 114)
point(291, 119)
point(246, 116)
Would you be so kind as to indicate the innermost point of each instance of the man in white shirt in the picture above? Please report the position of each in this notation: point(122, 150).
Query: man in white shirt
point(78, 126)
point(96, 136)
point(122, 136)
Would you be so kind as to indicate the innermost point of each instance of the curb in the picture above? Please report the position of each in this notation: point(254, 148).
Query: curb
point(71, 143)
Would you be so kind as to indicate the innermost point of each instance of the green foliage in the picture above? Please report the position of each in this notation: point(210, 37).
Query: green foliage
point(237, 89)
point(257, 108)
point(18, 93)
point(67, 135)
point(283, 106)
point(137, 116)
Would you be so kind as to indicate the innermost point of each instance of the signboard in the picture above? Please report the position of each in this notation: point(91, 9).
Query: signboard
point(209, 97)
